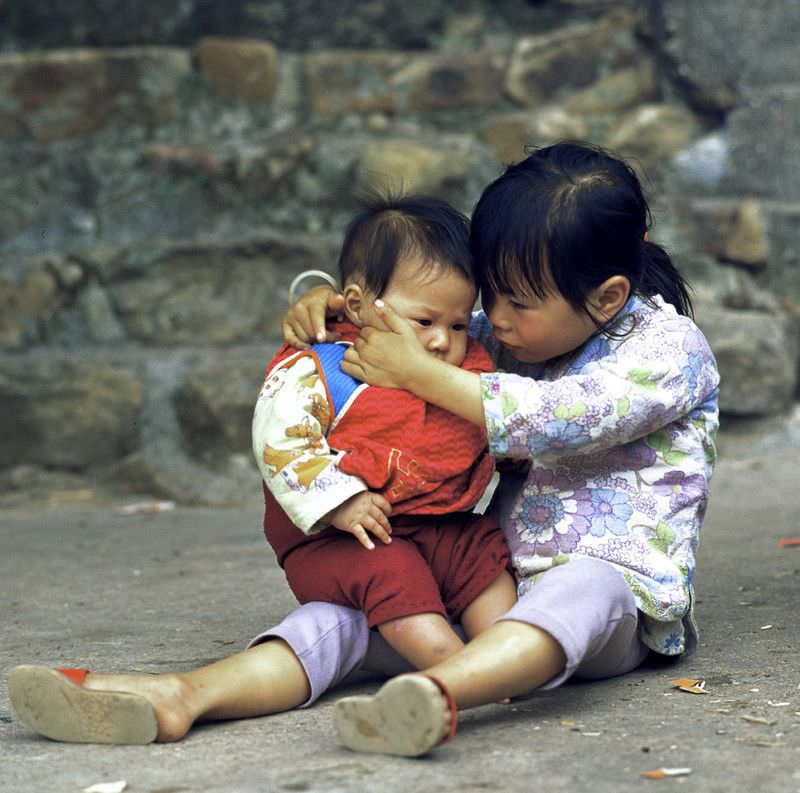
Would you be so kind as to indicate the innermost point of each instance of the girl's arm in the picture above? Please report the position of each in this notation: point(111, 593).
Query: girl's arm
point(659, 389)
point(304, 321)
point(394, 358)
point(634, 391)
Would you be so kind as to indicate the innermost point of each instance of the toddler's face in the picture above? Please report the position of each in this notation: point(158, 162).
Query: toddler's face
point(436, 302)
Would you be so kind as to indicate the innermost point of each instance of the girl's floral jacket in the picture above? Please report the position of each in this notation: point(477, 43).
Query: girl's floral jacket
point(620, 439)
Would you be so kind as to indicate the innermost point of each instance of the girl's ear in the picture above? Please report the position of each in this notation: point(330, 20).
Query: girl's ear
point(610, 296)
point(354, 303)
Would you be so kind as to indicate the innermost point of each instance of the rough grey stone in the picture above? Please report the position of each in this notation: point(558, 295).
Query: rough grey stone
point(782, 274)
point(214, 405)
point(617, 91)
point(653, 132)
point(66, 413)
point(717, 49)
point(102, 323)
point(758, 356)
point(300, 25)
point(150, 229)
point(28, 293)
point(765, 143)
point(732, 230)
point(508, 134)
point(549, 65)
point(731, 287)
point(204, 292)
point(706, 161)
point(67, 94)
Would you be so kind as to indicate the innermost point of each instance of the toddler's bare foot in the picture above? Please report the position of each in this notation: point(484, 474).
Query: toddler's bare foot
point(408, 716)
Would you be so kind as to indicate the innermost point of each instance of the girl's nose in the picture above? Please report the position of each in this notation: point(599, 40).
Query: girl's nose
point(498, 317)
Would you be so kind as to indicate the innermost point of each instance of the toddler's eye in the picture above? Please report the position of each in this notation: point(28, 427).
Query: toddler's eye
point(517, 306)
point(426, 323)
point(459, 326)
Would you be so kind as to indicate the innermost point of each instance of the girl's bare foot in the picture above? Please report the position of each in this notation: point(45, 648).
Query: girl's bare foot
point(408, 716)
point(168, 695)
point(116, 709)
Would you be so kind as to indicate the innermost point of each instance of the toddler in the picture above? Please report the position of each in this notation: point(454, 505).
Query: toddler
point(339, 457)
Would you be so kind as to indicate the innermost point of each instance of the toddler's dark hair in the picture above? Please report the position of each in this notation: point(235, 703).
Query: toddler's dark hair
point(570, 216)
point(390, 228)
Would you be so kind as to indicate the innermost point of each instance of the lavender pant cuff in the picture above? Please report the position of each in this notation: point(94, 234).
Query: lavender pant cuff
point(329, 641)
point(587, 607)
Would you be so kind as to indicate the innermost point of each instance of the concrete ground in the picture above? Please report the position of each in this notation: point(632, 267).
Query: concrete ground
point(83, 584)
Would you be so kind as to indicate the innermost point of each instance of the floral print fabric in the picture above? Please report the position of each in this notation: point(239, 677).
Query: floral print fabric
point(620, 439)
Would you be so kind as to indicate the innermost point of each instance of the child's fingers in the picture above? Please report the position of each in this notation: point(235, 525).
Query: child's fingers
point(382, 503)
point(379, 531)
point(380, 520)
point(305, 328)
point(316, 317)
point(351, 364)
point(389, 318)
point(359, 532)
point(331, 336)
point(290, 337)
point(334, 306)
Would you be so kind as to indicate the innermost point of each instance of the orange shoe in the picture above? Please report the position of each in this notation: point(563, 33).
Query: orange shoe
point(54, 703)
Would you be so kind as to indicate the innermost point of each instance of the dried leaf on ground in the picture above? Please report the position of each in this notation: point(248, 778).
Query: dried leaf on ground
point(691, 685)
point(663, 773)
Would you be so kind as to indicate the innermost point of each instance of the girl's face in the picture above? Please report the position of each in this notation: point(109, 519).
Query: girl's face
point(535, 330)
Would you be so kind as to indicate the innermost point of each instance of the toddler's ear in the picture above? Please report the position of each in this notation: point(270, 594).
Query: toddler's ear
point(354, 303)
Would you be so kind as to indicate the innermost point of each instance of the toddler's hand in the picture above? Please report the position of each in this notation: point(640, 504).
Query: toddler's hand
point(303, 323)
point(361, 513)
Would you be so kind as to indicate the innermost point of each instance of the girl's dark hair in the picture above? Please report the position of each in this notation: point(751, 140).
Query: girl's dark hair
point(390, 228)
point(570, 216)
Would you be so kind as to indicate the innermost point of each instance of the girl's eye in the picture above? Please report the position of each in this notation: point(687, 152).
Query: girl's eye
point(459, 327)
point(426, 323)
point(517, 306)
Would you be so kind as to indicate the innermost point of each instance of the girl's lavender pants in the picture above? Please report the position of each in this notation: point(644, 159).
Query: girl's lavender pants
point(585, 605)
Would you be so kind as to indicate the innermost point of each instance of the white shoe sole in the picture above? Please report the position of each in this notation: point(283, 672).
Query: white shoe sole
point(52, 705)
point(407, 717)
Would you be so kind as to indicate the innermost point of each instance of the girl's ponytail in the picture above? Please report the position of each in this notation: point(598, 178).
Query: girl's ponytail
point(659, 276)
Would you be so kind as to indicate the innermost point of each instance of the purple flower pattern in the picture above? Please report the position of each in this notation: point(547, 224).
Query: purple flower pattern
point(621, 440)
point(553, 513)
point(681, 489)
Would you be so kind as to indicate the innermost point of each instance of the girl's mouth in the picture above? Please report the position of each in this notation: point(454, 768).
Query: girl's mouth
point(505, 343)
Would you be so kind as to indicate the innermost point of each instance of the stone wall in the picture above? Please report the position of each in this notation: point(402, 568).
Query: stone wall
point(167, 168)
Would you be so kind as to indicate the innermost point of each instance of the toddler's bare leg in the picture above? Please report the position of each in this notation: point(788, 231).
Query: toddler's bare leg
point(422, 639)
point(492, 603)
point(264, 679)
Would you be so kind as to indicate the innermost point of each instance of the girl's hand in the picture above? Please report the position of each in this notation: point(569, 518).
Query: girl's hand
point(393, 357)
point(361, 513)
point(386, 356)
point(303, 324)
